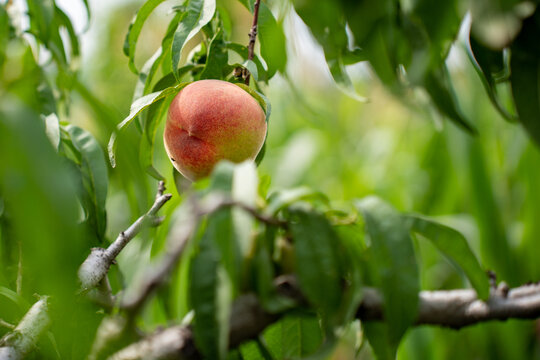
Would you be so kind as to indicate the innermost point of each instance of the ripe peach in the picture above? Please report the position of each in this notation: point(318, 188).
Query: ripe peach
point(212, 120)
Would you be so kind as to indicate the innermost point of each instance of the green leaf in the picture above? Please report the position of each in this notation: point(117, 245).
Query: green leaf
point(66, 23)
point(327, 23)
point(94, 171)
point(210, 295)
point(41, 14)
point(147, 73)
point(272, 38)
point(344, 83)
point(318, 268)
point(491, 67)
point(135, 29)
point(454, 245)
point(88, 12)
point(300, 336)
point(394, 264)
point(525, 72)
point(217, 58)
point(136, 108)
point(52, 129)
point(198, 14)
point(243, 52)
point(437, 84)
point(281, 199)
point(377, 335)
point(15, 298)
point(154, 115)
point(252, 68)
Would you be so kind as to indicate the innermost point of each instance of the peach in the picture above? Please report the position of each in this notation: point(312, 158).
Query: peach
point(212, 120)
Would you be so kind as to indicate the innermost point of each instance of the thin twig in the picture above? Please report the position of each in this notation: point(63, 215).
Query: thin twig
point(97, 264)
point(6, 324)
point(253, 35)
point(19, 342)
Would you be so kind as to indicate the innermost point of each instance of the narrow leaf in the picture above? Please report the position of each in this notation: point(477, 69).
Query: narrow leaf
point(281, 199)
point(136, 108)
point(315, 245)
point(211, 298)
point(217, 58)
point(454, 245)
point(490, 66)
point(135, 29)
point(438, 87)
point(272, 38)
point(155, 114)
point(525, 72)
point(394, 263)
point(93, 162)
point(52, 129)
point(198, 14)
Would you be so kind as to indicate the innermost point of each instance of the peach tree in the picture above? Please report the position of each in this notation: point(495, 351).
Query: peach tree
point(236, 270)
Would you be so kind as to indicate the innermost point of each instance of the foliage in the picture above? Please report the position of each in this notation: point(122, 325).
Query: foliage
point(59, 197)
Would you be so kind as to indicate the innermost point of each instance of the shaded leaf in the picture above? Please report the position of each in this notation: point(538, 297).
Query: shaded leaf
point(490, 67)
point(525, 72)
point(394, 263)
point(315, 247)
point(377, 335)
point(217, 58)
point(438, 87)
point(454, 245)
point(94, 173)
point(211, 298)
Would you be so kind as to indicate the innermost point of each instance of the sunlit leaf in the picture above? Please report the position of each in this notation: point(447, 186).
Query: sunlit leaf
point(272, 38)
point(154, 115)
point(52, 129)
point(73, 37)
point(198, 14)
point(281, 199)
point(135, 29)
point(136, 108)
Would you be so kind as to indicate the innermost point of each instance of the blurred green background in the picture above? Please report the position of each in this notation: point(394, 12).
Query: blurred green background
point(399, 149)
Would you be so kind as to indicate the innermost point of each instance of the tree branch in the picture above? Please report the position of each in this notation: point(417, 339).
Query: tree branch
point(96, 266)
point(454, 309)
point(19, 342)
point(253, 35)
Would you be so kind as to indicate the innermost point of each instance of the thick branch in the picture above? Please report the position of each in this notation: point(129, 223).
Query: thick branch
point(453, 308)
point(94, 269)
point(19, 342)
point(459, 308)
point(253, 35)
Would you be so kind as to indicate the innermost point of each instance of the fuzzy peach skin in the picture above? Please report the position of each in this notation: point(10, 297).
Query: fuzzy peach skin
point(212, 120)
